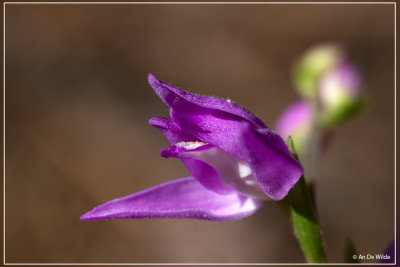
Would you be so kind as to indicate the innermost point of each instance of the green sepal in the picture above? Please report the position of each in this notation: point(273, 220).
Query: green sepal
point(292, 148)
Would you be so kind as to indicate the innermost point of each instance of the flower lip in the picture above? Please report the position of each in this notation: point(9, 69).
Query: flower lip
point(230, 170)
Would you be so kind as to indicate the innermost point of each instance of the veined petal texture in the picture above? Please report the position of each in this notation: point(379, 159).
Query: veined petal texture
point(211, 120)
point(180, 198)
point(273, 166)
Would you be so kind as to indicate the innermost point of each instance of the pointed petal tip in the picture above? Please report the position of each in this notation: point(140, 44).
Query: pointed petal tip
point(160, 122)
point(153, 121)
point(183, 198)
point(152, 79)
point(85, 217)
point(150, 76)
point(94, 214)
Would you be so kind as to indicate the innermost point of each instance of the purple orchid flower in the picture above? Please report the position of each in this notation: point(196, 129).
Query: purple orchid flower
point(235, 161)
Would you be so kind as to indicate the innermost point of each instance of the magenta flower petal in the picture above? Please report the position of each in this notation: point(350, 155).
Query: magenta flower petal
point(207, 176)
point(273, 165)
point(212, 120)
point(201, 171)
point(216, 169)
point(181, 198)
point(213, 129)
point(172, 132)
point(185, 102)
point(204, 173)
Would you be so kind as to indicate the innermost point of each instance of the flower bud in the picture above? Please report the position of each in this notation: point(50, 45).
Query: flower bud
point(339, 94)
point(330, 82)
point(315, 62)
point(295, 121)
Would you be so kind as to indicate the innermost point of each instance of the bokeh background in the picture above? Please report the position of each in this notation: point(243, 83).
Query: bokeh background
point(77, 134)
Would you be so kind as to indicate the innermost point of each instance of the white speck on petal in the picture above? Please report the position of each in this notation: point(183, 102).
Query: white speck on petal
point(190, 145)
point(244, 170)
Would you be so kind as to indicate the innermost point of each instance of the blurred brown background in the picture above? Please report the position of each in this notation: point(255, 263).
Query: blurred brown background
point(77, 133)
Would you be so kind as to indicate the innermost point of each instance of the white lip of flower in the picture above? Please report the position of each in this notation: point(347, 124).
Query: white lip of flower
point(231, 169)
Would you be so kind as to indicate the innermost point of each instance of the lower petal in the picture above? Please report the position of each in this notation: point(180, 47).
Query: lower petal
point(180, 198)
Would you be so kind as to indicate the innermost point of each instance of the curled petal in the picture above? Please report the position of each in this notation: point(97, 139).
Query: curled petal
point(211, 120)
point(180, 100)
point(222, 132)
point(181, 198)
point(272, 164)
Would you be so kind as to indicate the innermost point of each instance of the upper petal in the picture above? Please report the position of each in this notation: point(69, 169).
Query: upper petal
point(222, 131)
point(181, 198)
point(211, 120)
point(182, 101)
point(272, 164)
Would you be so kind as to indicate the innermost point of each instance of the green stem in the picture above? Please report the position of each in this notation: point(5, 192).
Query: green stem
point(301, 211)
point(299, 206)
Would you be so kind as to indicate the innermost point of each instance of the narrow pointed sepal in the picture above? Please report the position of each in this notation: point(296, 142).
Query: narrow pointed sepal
point(180, 198)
